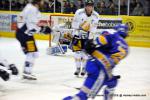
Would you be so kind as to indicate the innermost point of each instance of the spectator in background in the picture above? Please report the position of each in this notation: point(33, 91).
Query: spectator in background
point(111, 8)
point(101, 8)
point(4, 5)
point(69, 7)
point(147, 8)
point(133, 5)
point(66, 7)
point(138, 10)
point(19, 6)
point(13, 5)
point(24, 4)
point(49, 6)
point(73, 8)
point(46, 7)
point(123, 7)
point(80, 4)
point(58, 6)
point(1, 4)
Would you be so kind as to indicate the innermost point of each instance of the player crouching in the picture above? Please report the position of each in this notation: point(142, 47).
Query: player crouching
point(107, 50)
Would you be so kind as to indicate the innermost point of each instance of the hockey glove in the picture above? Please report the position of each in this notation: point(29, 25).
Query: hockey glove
point(13, 69)
point(89, 46)
point(68, 36)
point(45, 30)
point(4, 75)
point(75, 40)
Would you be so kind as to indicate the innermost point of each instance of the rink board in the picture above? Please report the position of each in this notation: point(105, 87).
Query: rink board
point(139, 26)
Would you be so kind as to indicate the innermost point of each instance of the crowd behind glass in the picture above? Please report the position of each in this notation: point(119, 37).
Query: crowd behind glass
point(103, 7)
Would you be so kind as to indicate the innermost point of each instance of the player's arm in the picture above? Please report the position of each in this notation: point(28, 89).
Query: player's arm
point(101, 40)
point(75, 22)
point(34, 25)
point(93, 28)
point(91, 45)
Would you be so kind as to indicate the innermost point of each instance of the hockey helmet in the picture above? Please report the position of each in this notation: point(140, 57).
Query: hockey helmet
point(122, 30)
point(89, 2)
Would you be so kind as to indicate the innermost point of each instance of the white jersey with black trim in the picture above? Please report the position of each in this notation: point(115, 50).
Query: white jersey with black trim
point(29, 16)
point(80, 17)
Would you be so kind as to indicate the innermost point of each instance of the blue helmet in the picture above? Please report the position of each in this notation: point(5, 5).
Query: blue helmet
point(122, 30)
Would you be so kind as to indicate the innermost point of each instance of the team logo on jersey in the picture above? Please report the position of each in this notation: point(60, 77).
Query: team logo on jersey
point(131, 25)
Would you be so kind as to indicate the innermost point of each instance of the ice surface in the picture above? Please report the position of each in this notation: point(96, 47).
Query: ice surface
point(56, 80)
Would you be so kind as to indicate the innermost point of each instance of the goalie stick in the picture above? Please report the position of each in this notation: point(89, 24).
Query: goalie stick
point(60, 48)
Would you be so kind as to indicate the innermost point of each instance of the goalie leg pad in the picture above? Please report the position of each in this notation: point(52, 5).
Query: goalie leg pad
point(56, 50)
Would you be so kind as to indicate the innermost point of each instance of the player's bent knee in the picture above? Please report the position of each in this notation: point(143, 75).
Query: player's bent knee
point(77, 55)
point(35, 54)
point(112, 83)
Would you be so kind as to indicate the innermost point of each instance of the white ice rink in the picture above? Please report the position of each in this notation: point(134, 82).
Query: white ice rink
point(56, 80)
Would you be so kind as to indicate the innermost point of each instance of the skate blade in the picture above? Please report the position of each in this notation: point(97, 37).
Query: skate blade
point(29, 77)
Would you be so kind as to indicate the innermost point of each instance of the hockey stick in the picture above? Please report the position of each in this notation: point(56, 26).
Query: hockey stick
point(60, 48)
point(78, 88)
point(99, 95)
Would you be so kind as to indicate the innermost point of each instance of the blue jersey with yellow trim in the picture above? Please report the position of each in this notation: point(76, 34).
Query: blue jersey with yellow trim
point(113, 45)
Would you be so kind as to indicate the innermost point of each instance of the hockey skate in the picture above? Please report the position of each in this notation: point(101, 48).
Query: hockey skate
point(28, 76)
point(83, 72)
point(77, 72)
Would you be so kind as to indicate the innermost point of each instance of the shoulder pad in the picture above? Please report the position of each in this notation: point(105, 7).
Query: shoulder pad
point(95, 14)
point(108, 32)
point(80, 11)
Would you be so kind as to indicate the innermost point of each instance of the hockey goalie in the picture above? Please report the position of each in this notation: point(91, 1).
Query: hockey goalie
point(61, 39)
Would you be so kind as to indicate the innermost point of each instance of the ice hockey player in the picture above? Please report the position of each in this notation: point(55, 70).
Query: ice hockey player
point(28, 24)
point(7, 69)
point(85, 24)
point(107, 50)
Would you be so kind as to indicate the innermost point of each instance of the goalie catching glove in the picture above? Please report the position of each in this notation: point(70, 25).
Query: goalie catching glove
point(67, 36)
